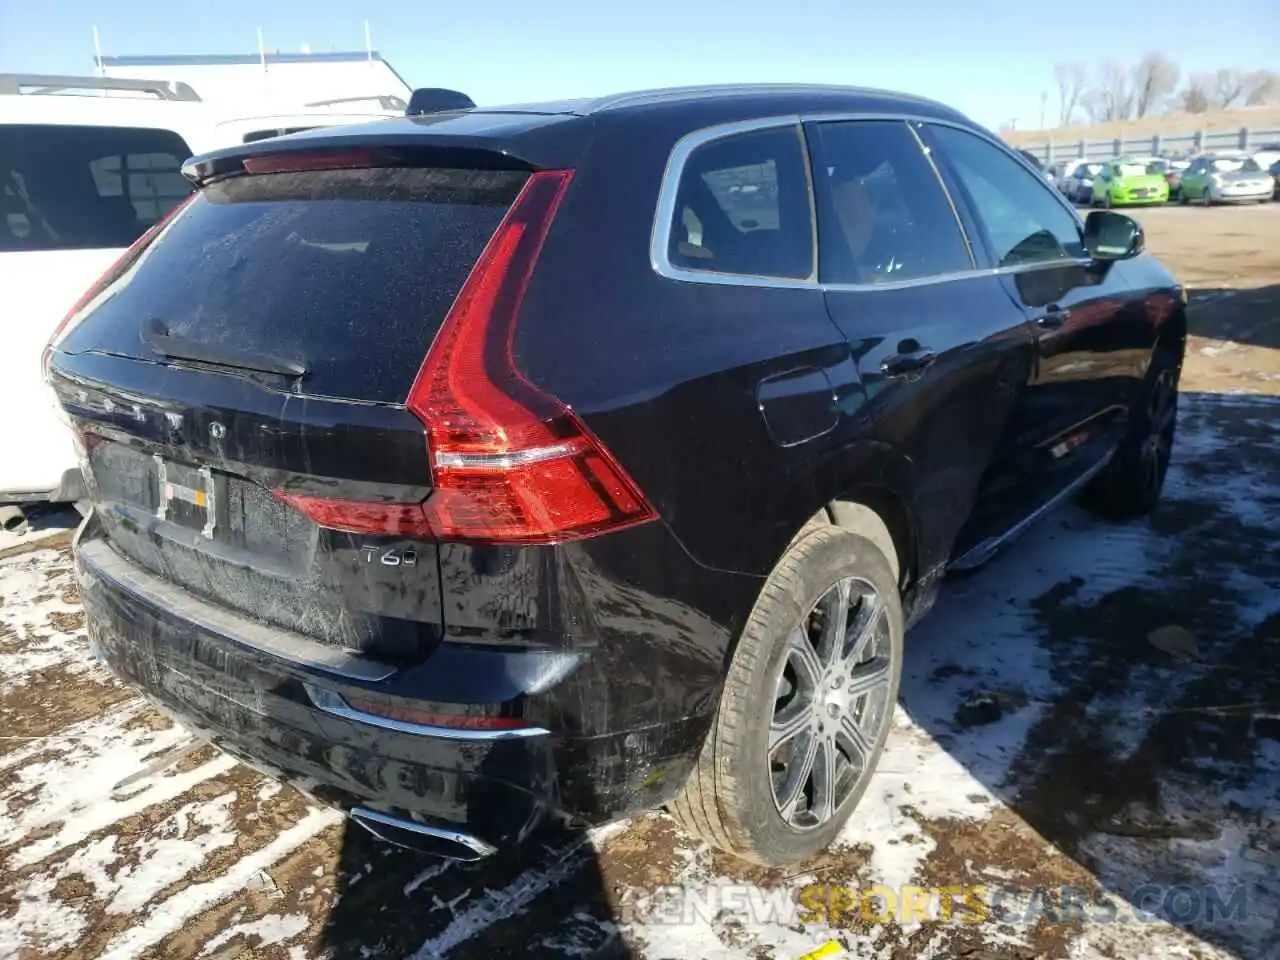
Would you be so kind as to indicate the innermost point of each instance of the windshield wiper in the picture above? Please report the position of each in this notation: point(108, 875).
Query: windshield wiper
point(157, 337)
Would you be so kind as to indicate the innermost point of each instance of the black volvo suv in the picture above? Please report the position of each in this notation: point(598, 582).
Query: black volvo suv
point(567, 460)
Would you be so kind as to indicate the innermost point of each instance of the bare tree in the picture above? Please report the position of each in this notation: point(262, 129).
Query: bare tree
point(1194, 97)
point(1228, 85)
point(1261, 87)
point(1155, 77)
point(1071, 79)
point(1111, 97)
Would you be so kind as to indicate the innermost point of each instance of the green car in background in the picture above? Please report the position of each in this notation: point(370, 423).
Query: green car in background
point(1129, 182)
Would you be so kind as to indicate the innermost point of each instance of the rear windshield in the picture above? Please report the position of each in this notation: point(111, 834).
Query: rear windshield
point(85, 188)
point(348, 272)
point(1236, 165)
point(1131, 169)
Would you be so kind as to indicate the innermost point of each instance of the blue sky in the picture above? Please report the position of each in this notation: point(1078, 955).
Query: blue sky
point(990, 58)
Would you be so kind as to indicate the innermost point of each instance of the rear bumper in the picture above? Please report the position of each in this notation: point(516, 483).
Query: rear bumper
point(1127, 201)
point(1254, 197)
point(68, 489)
point(273, 700)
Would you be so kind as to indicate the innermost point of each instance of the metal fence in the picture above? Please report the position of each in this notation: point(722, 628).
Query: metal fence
point(1159, 145)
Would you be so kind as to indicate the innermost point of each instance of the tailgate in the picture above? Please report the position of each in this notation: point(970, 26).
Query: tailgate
point(258, 352)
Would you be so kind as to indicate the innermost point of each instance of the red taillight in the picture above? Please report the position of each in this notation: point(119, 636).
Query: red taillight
point(359, 516)
point(510, 462)
point(112, 274)
point(294, 162)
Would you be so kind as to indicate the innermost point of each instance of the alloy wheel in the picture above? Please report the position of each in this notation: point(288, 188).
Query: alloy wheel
point(1157, 446)
point(831, 703)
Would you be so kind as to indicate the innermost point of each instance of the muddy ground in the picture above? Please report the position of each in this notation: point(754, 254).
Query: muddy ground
point(1095, 715)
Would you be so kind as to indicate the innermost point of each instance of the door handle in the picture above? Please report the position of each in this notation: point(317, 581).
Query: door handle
point(904, 364)
point(1053, 316)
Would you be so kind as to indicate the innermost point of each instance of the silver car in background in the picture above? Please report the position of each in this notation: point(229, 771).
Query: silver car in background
point(1226, 177)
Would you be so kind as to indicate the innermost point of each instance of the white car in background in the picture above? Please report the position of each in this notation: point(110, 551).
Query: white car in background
point(87, 165)
point(1077, 184)
point(1267, 155)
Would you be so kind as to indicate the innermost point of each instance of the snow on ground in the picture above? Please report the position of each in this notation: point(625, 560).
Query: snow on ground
point(1041, 741)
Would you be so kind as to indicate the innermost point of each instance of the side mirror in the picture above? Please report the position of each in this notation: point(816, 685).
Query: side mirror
point(1113, 236)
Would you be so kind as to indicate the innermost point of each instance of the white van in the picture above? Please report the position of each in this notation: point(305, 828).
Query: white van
point(87, 164)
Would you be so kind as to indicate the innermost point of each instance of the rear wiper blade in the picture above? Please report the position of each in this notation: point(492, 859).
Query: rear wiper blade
point(159, 339)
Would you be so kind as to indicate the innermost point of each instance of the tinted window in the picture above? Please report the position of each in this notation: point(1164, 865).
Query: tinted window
point(350, 272)
point(1023, 219)
point(882, 214)
point(743, 207)
point(75, 188)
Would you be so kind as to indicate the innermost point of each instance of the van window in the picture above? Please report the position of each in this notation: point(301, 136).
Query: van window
point(78, 188)
point(743, 207)
point(882, 213)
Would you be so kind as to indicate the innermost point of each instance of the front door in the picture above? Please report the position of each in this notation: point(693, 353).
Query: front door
point(1087, 324)
point(942, 351)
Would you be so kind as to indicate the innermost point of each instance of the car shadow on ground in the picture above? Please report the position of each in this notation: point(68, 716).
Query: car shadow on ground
point(43, 520)
point(546, 898)
point(1118, 688)
point(1239, 317)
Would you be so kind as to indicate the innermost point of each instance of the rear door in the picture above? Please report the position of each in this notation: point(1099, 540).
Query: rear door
point(1090, 332)
point(74, 198)
point(252, 364)
point(944, 354)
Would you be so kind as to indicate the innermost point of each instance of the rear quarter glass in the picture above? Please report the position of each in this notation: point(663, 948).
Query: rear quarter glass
point(349, 272)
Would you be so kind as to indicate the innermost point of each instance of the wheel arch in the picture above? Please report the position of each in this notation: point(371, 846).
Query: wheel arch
point(873, 501)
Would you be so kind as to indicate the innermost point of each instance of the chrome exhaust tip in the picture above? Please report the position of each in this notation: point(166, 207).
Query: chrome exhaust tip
point(437, 841)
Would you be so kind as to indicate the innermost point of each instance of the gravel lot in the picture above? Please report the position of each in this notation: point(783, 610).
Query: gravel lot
point(1099, 709)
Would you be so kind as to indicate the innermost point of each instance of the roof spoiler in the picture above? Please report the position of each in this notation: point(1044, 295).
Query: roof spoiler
point(36, 84)
point(436, 100)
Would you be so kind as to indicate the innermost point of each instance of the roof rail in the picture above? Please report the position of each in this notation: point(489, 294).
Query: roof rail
point(38, 84)
point(386, 101)
point(435, 100)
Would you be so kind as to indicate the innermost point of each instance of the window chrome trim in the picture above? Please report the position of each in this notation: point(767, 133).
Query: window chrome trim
point(664, 215)
point(366, 816)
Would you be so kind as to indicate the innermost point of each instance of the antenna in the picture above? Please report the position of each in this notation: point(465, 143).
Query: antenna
point(368, 41)
point(262, 51)
point(97, 52)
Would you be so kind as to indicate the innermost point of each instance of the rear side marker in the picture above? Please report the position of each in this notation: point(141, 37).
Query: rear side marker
point(511, 464)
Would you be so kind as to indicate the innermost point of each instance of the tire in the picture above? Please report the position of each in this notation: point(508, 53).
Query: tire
point(1129, 487)
point(735, 796)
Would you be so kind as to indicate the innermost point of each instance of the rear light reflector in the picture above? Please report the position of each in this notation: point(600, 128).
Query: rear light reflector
point(112, 274)
point(358, 516)
point(511, 464)
point(405, 717)
point(405, 713)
